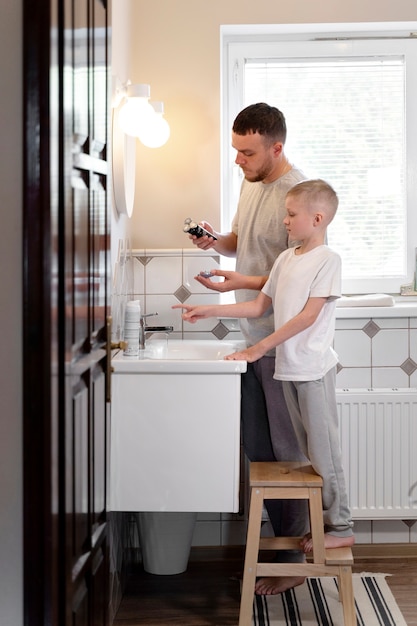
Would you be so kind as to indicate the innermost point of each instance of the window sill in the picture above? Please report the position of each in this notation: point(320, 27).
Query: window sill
point(403, 307)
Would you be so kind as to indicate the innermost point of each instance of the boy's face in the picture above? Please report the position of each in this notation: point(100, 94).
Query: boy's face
point(300, 220)
point(255, 157)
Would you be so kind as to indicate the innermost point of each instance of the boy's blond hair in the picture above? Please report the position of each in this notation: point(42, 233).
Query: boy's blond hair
point(319, 195)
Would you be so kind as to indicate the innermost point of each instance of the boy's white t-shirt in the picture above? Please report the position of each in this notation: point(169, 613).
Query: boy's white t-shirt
point(293, 279)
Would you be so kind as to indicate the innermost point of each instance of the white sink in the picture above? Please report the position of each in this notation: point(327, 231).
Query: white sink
point(193, 349)
point(182, 355)
point(175, 428)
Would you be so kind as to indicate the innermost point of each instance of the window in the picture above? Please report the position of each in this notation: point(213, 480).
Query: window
point(348, 106)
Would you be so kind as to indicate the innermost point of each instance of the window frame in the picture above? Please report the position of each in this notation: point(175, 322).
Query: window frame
point(328, 41)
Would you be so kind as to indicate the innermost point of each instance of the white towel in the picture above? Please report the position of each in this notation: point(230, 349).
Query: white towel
point(372, 299)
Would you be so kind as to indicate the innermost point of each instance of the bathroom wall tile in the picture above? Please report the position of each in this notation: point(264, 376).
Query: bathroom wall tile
point(167, 316)
point(202, 325)
point(389, 347)
point(126, 273)
point(354, 378)
point(163, 274)
point(353, 348)
point(413, 345)
point(390, 531)
point(194, 334)
point(391, 322)
point(120, 289)
point(191, 334)
point(138, 276)
point(350, 324)
point(413, 379)
point(232, 324)
point(151, 252)
point(363, 531)
point(412, 322)
point(207, 534)
point(205, 255)
point(389, 377)
point(228, 297)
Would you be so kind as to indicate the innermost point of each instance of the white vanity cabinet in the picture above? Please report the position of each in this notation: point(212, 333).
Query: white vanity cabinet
point(175, 435)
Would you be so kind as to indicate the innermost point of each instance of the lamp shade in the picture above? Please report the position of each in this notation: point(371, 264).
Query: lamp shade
point(136, 112)
point(157, 131)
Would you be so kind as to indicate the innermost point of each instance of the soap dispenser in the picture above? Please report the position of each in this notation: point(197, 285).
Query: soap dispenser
point(131, 328)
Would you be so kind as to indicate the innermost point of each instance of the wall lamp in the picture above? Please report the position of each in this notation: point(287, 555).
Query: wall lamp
point(138, 117)
point(134, 116)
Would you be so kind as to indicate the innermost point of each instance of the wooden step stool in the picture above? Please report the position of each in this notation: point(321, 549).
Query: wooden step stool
point(291, 480)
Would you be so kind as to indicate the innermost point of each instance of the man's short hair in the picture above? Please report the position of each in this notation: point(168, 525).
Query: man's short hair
point(262, 119)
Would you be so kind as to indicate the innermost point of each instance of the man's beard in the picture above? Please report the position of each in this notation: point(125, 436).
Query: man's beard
point(260, 175)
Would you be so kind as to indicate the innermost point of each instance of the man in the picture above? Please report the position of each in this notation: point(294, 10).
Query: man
point(257, 237)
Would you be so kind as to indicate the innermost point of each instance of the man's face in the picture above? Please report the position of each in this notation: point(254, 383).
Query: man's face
point(254, 156)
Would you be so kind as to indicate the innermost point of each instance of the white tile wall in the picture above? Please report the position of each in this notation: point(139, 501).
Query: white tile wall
point(163, 275)
point(390, 347)
point(353, 348)
point(354, 378)
point(389, 377)
point(372, 353)
point(413, 343)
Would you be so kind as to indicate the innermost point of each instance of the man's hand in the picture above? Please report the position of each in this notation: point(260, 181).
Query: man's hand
point(205, 242)
point(232, 281)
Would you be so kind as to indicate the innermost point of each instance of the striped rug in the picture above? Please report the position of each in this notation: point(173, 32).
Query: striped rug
point(316, 603)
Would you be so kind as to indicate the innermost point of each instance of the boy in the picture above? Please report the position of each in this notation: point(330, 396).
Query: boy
point(303, 286)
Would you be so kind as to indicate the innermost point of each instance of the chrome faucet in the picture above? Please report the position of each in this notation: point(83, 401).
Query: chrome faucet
point(146, 331)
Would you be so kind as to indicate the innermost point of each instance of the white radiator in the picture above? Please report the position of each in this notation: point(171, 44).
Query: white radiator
point(378, 430)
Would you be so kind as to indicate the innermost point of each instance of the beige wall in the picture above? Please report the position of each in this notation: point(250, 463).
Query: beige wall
point(176, 48)
point(121, 64)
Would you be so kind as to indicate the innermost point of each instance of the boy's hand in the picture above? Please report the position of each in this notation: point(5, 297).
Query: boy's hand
point(193, 313)
point(250, 355)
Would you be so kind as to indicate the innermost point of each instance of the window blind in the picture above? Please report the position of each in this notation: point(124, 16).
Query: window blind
point(346, 124)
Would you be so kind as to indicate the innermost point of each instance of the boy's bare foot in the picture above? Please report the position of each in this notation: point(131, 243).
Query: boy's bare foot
point(273, 585)
point(330, 541)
